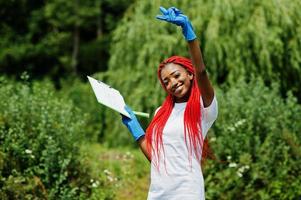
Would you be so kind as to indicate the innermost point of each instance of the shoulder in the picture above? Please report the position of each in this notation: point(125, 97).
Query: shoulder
point(210, 112)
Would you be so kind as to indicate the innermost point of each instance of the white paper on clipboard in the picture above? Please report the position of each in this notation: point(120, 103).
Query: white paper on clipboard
point(108, 96)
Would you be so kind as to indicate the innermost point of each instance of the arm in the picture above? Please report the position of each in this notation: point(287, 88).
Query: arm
point(142, 144)
point(175, 16)
point(203, 81)
point(136, 130)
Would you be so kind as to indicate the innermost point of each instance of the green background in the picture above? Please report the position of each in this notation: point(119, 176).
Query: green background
point(57, 142)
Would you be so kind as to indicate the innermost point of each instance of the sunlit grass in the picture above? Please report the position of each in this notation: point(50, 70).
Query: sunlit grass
point(121, 173)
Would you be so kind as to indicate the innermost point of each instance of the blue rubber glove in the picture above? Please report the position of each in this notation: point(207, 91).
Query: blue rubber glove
point(133, 124)
point(175, 16)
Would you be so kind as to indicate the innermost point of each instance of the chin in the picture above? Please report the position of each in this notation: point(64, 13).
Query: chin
point(181, 98)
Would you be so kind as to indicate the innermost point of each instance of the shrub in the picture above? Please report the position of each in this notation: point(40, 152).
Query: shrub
point(82, 96)
point(39, 138)
point(257, 135)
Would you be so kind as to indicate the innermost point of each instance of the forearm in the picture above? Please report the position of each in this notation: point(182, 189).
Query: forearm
point(142, 144)
point(136, 130)
point(176, 16)
point(203, 81)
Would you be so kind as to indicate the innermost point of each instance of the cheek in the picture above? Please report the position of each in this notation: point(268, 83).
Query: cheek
point(188, 83)
point(168, 89)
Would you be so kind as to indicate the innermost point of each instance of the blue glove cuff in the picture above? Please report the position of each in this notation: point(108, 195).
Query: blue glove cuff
point(188, 32)
point(133, 125)
point(136, 131)
point(138, 136)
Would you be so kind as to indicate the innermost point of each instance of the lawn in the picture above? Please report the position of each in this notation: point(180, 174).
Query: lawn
point(117, 173)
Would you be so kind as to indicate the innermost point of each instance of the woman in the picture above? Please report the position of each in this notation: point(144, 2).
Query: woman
point(173, 142)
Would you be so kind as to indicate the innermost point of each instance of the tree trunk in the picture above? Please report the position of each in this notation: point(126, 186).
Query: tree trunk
point(99, 23)
point(74, 59)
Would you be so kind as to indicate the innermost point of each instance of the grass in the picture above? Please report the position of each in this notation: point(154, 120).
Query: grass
point(121, 174)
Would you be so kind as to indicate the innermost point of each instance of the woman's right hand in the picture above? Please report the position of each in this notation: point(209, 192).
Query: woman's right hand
point(133, 124)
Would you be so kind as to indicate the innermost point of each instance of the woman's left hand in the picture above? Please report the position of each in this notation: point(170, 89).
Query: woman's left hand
point(175, 16)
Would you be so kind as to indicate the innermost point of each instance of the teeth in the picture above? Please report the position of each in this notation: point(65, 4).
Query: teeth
point(178, 88)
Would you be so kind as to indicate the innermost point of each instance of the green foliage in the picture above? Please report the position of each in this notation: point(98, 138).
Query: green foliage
point(56, 37)
point(238, 39)
point(68, 14)
point(82, 96)
point(39, 138)
point(257, 132)
point(257, 139)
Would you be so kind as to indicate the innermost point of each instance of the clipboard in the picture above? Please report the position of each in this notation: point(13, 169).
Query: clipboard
point(111, 97)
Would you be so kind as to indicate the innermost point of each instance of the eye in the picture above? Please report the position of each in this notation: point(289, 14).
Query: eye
point(165, 83)
point(177, 75)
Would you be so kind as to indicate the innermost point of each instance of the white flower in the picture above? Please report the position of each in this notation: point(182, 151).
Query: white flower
point(107, 172)
point(229, 157)
point(244, 168)
point(239, 174)
point(28, 151)
point(239, 123)
point(241, 169)
point(95, 184)
point(128, 156)
point(232, 129)
point(110, 178)
point(232, 164)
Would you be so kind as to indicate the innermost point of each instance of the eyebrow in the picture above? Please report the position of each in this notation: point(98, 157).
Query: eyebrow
point(170, 74)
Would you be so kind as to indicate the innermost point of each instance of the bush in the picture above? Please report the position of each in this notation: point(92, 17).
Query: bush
point(39, 138)
point(103, 124)
point(257, 138)
point(82, 96)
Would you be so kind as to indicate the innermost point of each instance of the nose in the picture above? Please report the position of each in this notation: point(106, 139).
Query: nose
point(173, 83)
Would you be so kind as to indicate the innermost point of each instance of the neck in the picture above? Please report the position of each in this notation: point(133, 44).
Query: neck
point(183, 99)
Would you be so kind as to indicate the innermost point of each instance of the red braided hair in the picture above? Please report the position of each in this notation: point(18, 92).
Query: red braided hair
point(192, 117)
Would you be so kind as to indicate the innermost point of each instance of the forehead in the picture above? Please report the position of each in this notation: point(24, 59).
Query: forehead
point(170, 68)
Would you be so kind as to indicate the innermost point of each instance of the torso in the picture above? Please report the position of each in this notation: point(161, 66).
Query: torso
point(179, 174)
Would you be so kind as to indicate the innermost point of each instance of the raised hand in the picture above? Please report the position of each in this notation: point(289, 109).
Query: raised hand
point(175, 16)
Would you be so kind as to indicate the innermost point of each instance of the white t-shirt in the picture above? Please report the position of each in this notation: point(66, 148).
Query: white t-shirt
point(179, 178)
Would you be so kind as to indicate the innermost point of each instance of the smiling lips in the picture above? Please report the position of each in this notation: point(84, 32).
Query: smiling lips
point(177, 89)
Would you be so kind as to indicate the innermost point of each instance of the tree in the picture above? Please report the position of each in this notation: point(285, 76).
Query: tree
point(57, 37)
point(238, 39)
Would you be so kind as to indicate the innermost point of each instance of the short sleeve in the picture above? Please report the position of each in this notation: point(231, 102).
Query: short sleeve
point(210, 112)
point(209, 115)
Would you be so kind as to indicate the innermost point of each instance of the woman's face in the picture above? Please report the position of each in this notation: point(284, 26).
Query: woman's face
point(177, 81)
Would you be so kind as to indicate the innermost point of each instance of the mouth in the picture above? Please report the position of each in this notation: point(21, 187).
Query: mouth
point(178, 89)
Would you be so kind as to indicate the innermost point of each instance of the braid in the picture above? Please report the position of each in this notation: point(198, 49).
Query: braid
point(192, 117)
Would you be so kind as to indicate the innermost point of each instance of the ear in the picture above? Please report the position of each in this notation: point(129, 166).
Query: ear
point(190, 75)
